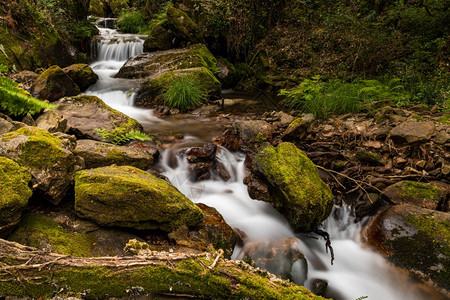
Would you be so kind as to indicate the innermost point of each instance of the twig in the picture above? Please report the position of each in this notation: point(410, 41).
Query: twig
point(326, 236)
point(216, 259)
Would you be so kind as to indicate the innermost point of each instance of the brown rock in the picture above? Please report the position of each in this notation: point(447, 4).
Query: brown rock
point(212, 231)
point(53, 84)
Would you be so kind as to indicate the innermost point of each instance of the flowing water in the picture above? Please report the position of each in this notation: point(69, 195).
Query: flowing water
point(357, 271)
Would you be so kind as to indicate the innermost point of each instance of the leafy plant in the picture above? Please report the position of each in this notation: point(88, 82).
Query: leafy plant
point(160, 17)
point(184, 92)
point(16, 101)
point(120, 136)
point(323, 98)
point(132, 22)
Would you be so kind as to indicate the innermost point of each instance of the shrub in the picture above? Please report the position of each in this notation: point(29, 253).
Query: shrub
point(132, 22)
point(16, 101)
point(184, 92)
point(323, 98)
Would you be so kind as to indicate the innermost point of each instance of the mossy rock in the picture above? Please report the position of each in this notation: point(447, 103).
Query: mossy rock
point(416, 239)
point(53, 84)
point(42, 232)
point(97, 154)
point(183, 26)
point(128, 197)
point(416, 193)
point(300, 195)
point(48, 158)
point(82, 75)
point(150, 65)
point(159, 38)
point(151, 91)
point(86, 114)
point(14, 193)
point(118, 6)
point(99, 8)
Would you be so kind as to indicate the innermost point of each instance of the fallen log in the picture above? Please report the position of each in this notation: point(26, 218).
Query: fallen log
point(29, 272)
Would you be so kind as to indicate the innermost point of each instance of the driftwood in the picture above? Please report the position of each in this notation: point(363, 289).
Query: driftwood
point(27, 271)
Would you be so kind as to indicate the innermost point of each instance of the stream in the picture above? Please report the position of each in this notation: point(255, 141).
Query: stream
point(357, 271)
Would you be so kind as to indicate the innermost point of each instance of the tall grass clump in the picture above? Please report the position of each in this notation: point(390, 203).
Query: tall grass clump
point(16, 101)
point(184, 92)
point(132, 22)
point(325, 98)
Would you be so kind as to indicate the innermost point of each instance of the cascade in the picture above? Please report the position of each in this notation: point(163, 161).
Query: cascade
point(356, 272)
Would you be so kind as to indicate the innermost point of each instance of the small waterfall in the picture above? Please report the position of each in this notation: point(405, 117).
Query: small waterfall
point(118, 47)
point(356, 272)
point(110, 51)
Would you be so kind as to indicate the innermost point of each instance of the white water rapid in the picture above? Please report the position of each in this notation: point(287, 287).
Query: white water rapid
point(111, 50)
point(356, 272)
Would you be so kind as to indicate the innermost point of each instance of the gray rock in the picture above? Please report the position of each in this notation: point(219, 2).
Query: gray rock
point(98, 154)
point(51, 121)
point(253, 131)
point(86, 114)
point(411, 132)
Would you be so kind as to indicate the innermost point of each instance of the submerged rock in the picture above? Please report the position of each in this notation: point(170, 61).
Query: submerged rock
point(278, 257)
point(14, 193)
point(47, 157)
point(128, 197)
point(297, 190)
point(416, 193)
point(213, 232)
point(86, 114)
point(416, 239)
point(53, 84)
point(98, 154)
point(82, 75)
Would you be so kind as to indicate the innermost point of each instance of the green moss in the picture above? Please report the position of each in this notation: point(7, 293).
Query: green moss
point(39, 150)
point(190, 277)
point(183, 26)
point(38, 230)
point(418, 118)
point(445, 119)
point(129, 197)
point(412, 189)
point(303, 198)
point(158, 39)
point(14, 191)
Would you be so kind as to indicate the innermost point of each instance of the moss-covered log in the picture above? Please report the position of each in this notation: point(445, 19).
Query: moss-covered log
point(26, 271)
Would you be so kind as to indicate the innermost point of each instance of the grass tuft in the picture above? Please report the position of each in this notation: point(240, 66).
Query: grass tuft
point(132, 22)
point(184, 92)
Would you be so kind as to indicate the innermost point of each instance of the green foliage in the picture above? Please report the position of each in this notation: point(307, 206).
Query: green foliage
point(323, 98)
point(120, 136)
point(132, 22)
point(184, 92)
point(161, 17)
point(16, 101)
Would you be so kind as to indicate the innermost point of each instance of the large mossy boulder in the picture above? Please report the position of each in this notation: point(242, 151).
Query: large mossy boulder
point(98, 154)
point(298, 192)
point(128, 197)
point(14, 193)
point(47, 157)
point(416, 193)
point(152, 91)
point(159, 38)
point(53, 84)
point(82, 75)
point(86, 114)
point(416, 239)
point(183, 26)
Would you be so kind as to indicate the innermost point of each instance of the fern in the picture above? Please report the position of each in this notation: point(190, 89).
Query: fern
point(17, 102)
point(120, 136)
